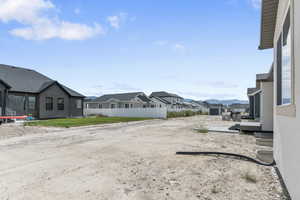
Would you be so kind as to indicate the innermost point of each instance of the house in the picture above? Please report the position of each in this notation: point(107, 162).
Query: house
point(280, 30)
point(215, 109)
point(121, 100)
point(159, 102)
point(239, 108)
point(4, 87)
point(27, 92)
point(176, 101)
point(254, 103)
point(265, 84)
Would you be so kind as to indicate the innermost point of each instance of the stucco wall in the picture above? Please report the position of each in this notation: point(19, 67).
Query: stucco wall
point(266, 117)
point(287, 119)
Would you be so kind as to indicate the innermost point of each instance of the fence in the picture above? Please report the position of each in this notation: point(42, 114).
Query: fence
point(128, 112)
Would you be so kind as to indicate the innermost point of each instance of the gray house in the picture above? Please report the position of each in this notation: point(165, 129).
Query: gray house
point(27, 92)
point(175, 100)
point(121, 100)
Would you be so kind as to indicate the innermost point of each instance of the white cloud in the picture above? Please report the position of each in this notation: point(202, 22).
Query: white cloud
point(39, 25)
point(256, 3)
point(116, 20)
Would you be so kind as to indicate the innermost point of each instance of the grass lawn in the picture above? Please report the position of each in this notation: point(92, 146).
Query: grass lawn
point(75, 122)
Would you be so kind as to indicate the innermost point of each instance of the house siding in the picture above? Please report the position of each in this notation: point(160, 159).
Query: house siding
point(287, 118)
point(55, 92)
point(266, 117)
point(2, 98)
point(74, 111)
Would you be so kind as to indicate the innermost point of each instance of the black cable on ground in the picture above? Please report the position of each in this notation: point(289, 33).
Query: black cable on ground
point(241, 157)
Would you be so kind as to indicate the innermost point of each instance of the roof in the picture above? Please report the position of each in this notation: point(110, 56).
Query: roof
point(268, 23)
point(253, 91)
point(161, 100)
point(164, 94)
point(29, 81)
point(120, 96)
point(262, 77)
point(5, 84)
point(265, 76)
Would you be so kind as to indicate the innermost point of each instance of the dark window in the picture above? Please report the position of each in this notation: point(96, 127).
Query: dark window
point(60, 104)
point(126, 105)
point(100, 105)
point(112, 105)
point(31, 103)
point(49, 103)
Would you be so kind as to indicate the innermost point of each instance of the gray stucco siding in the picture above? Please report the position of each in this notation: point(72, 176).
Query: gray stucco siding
point(55, 92)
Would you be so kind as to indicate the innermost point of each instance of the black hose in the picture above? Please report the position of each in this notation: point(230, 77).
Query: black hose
point(241, 157)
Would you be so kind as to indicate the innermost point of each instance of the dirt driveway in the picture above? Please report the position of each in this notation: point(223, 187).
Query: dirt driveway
point(131, 161)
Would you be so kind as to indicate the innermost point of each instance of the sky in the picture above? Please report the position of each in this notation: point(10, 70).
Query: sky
point(199, 49)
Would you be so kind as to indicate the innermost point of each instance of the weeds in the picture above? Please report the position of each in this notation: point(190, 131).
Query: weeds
point(251, 178)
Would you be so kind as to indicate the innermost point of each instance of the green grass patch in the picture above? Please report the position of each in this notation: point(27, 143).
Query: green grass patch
point(75, 122)
point(202, 130)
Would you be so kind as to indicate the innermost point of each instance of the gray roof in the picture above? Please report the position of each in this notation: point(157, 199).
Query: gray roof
point(265, 76)
point(29, 81)
point(120, 96)
point(5, 84)
point(162, 100)
point(268, 23)
point(164, 94)
point(262, 77)
point(250, 91)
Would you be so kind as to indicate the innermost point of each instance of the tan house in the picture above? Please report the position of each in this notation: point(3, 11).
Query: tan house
point(280, 30)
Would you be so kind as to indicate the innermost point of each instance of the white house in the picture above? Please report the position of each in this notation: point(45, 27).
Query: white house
point(280, 30)
point(176, 101)
point(265, 82)
point(121, 100)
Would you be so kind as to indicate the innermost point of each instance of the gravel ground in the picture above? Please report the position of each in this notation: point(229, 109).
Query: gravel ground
point(130, 161)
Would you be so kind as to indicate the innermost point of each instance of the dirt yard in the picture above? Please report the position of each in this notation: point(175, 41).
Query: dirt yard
point(130, 161)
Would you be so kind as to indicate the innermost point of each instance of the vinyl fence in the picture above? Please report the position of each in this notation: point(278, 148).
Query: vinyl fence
point(128, 112)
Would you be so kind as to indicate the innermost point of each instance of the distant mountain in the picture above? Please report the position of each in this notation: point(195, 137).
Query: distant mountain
point(227, 101)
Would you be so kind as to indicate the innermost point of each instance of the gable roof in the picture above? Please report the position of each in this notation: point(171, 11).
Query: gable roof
point(119, 96)
point(268, 23)
point(161, 100)
point(164, 94)
point(29, 81)
point(5, 84)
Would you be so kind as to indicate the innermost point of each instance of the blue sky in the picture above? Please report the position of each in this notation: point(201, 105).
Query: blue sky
point(199, 49)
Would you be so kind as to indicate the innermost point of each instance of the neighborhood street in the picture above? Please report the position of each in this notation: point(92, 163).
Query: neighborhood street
point(131, 161)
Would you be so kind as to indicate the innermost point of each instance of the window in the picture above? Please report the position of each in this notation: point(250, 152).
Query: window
point(284, 64)
point(126, 105)
point(112, 105)
point(100, 105)
point(60, 104)
point(78, 103)
point(49, 103)
point(31, 103)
